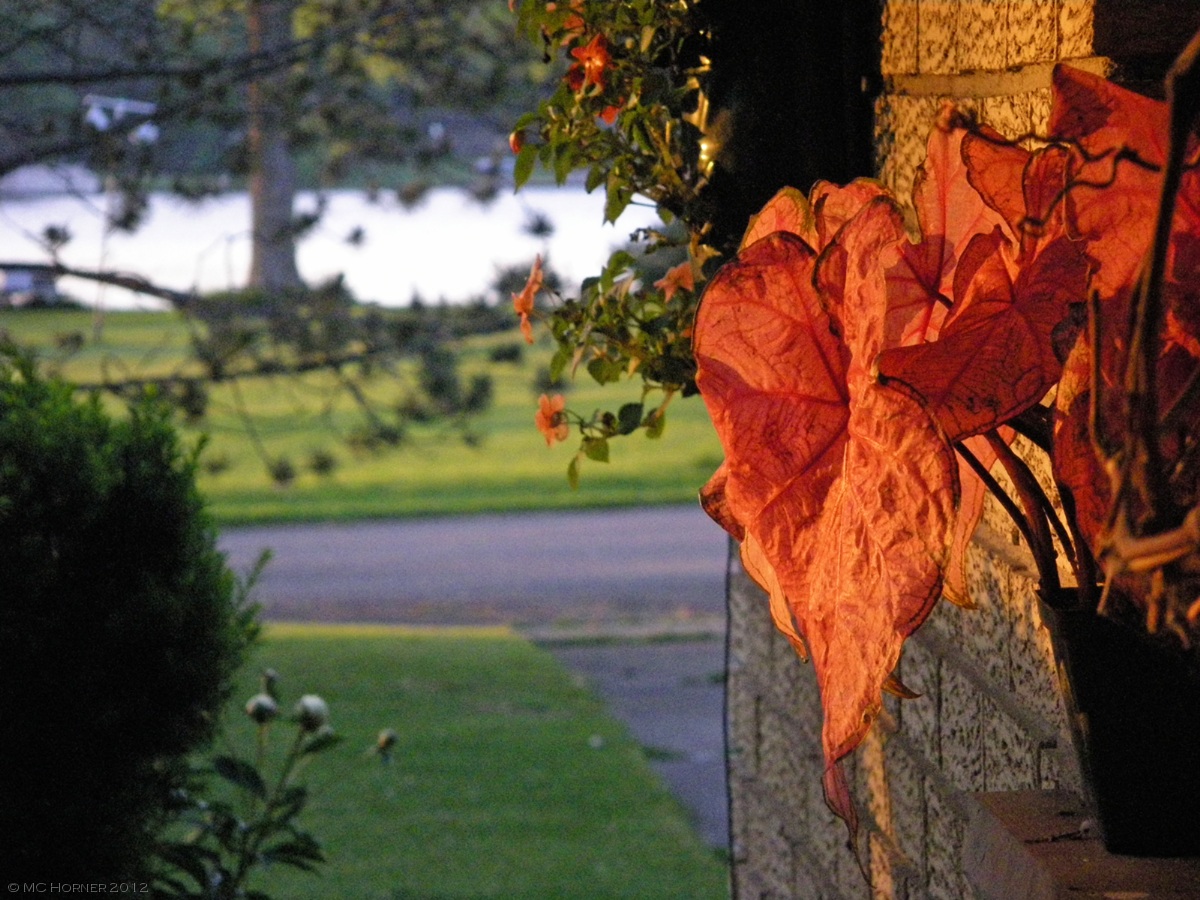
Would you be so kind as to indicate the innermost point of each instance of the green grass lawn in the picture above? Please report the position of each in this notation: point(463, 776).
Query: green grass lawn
point(508, 781)
point(509, 468)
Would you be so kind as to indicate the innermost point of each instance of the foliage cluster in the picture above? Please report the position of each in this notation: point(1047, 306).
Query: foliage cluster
point(309, 419)
point(137, 91)
point(354, 68)
point(121, 628)
point(630, 112)
point(217, 847)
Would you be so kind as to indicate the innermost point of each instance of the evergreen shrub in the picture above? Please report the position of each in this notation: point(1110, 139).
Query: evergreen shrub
point(120, 629)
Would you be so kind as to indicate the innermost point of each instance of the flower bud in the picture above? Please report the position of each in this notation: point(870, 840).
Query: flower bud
point(516, 140)
point(387, 740)
point(312, 712)
point(269, 678)
point(262, 708)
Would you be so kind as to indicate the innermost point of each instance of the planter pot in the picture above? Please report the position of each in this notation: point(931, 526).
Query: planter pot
point(1134, 705)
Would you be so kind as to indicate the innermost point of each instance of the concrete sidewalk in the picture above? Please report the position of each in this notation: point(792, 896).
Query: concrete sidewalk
point(670, 694)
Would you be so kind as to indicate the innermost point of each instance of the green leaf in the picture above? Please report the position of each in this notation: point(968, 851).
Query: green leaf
point(564, 162)
point(596, 448)
point(322, 740)
point(525, 120)
point(290, 804)
point(573, 473)
point(595, 177)
point(523, 168)
point(605, 371)
point(240, 773)
point(638, 130)
point(559, 362)
point(629, 417)
point(617, 198)
point(656, 421)
point(300, 852)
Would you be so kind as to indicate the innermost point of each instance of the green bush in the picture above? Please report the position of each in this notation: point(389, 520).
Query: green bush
point(120, 629)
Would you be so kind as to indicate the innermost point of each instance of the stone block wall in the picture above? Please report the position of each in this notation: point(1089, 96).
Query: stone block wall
point(990, 717)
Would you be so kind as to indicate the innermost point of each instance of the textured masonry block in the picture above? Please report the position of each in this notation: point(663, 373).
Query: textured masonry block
point(1039, 109)
point(1035, 679)
point(787, 770)
point(902, 128)
point(1012, 116)
point(899, 37)
point(937, 37)
point(750, 623)
point(792, 684)
point(943, 848)
point(919, 671)
point(985, 631)
point(983, 35)
point(742, 728)
point(1032, 32)
point(1075, 20)
point(961, 729)
point(906, 787)
point(805, 882)
point(1010, 754)
point(825, 844)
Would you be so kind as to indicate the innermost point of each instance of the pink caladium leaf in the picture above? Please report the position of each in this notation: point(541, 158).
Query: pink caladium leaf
point(789, 210)
point(835, 205)
point(950, 209)
point(972, 495)
point(1102, 118)
point(1119, 142)
point(994, 357)
point(845, 489)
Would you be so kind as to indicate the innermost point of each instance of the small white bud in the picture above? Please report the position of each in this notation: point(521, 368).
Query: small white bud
point(312, 712)
point(262, 708)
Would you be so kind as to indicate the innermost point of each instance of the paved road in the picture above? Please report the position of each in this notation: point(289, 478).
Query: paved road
point(524, 569)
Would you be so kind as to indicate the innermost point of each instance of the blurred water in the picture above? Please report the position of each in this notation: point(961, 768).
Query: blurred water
point(448, 247)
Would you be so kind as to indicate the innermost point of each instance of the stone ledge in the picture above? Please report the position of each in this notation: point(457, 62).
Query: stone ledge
point(990, 83)
point(1034, 845)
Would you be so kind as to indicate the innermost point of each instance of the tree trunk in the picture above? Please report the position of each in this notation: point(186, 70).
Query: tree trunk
point(272, 168)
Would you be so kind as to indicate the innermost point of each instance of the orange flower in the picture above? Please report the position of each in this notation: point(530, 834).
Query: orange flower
point(594, 61)
point(523, 302)
point(680, 276)
point(551, 419)
point(608, 115)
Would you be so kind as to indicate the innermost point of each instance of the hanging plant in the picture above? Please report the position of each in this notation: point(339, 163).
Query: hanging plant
point(863, 381)
point(630, 113)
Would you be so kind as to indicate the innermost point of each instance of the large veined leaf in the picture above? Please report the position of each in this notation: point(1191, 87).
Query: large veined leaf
point(790, 211)
point(950, 210)
point(1120, 141)
point(1102, 118)
point(995, 357)
point(845, 489)
point(835, 205)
